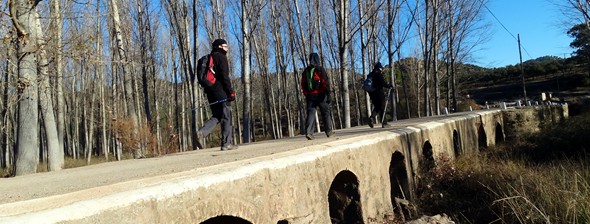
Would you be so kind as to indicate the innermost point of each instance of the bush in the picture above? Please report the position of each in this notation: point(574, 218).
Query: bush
point(566, 140)
point(466, 103)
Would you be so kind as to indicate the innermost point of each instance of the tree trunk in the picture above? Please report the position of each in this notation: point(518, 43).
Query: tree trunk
point(452, 56)
point(90, 119)
point(6, 156)
point(246, 74)
point(23, 14)
point(84, 79)
point(117, 149)
point(131, 111)
point(55, 155)
point(364, 56)
point(435, 55)
point(59, 87)
point(281, 70)
point(192, 86)
point(177, 113)
point(101, 75)
point(392, 98)
point(355, 91)
point(301, 35)
point(427, 50)
point(343, 53)
point(144, 30)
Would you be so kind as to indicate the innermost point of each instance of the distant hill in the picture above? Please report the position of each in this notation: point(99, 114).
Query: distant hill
point(566, 79)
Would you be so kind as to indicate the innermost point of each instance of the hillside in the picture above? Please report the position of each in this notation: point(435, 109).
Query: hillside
point(565, 79)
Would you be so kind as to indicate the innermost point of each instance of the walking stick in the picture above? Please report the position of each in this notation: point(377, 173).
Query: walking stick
point(385, 109)
point(206, 105)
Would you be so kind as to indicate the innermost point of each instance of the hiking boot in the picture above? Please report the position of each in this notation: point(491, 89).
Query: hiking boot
point(199, 140)
point(309, 136)
point(330, 133)
point(386, 125)
point(229, 147)
point(370, 121)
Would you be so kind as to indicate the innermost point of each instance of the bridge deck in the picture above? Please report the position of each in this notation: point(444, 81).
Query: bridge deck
point(70, 185)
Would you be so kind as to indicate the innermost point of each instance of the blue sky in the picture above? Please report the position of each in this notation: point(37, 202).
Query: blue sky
point(537, 22)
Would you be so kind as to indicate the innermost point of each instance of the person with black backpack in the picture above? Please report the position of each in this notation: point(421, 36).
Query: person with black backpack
point(218, 88)
point(316, 88)
point(377, 82)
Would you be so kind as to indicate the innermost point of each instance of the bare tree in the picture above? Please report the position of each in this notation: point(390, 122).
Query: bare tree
point(23, 14)
point(343, 39)
point(425, 30)
point(393, 10)
point(100, 71)
point(296, 78)
point(247, 99)
point(7, 150)
point(403, 28)
point(466, 29)
point(59, 86)
point(435, 45)
point(55, 154)
point(345, 35)
point(131, 109)
point(575, 11)
point(281, 64)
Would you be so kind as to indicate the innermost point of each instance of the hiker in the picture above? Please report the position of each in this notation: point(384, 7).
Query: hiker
point(316, 88)
point(377, 96)
point(221, 90)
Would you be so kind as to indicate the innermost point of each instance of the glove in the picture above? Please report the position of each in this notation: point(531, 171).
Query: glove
point(231, 97)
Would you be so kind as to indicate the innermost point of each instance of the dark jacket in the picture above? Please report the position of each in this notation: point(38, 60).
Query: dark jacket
point(223, 87)
point(378, 80)
point(325, 82)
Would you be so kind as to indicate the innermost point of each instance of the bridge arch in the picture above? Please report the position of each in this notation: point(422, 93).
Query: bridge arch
point(457, 143)
point(344, 199)
point(223, 219)
point(226, 210)
point(427, 157)
point(482, 138)
point(400, 184)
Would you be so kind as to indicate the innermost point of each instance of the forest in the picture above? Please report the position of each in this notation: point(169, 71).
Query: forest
point(109, 80)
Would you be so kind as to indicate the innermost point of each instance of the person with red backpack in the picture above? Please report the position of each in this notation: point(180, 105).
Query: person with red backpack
point(316, 88)
point(219, 94)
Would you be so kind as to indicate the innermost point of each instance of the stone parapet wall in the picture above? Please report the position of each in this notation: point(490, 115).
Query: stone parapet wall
point(525, 121)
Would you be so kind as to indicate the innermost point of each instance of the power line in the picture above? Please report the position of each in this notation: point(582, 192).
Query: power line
point(506, 29)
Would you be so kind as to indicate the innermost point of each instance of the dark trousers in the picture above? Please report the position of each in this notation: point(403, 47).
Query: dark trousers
point(377, 98)
point(221, 114)
point(314, 101)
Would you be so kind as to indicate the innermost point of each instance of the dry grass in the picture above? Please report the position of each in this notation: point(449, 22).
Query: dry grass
point(540, 179)
point(465, 104)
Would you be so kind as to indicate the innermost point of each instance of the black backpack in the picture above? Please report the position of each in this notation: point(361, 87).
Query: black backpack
point(313, 80)
point(368, 84)
point(205, 73)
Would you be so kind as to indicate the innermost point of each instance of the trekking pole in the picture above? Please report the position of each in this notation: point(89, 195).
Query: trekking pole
point(385, 109)
point(206, 105)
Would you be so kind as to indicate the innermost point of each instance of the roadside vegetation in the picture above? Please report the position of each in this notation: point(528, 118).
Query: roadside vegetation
point(541, 178)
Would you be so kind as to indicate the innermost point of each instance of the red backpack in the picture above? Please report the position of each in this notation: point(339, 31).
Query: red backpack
point(205, 72)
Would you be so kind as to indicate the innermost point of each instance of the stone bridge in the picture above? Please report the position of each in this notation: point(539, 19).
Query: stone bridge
point(355, 176)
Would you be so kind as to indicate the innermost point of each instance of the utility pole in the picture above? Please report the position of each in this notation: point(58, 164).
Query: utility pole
point(522, 70)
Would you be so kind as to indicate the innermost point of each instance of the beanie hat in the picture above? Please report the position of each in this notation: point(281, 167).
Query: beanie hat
point(218, 42)
point(378, 66)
